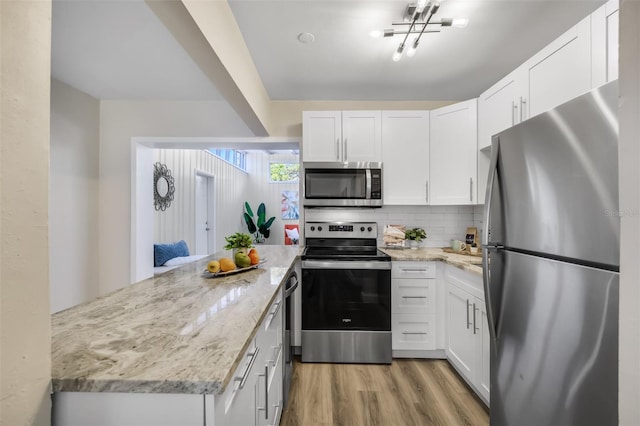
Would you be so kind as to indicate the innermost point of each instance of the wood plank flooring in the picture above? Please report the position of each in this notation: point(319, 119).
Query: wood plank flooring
point(407, 392)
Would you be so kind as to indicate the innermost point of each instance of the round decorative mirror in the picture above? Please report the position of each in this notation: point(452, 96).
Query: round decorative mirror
point(163, 187)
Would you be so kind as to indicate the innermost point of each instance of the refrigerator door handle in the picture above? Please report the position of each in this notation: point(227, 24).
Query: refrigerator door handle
point(493, 170)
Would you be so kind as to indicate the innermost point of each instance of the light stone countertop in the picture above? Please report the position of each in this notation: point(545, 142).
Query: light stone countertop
point(179, 332)
point(468, 263)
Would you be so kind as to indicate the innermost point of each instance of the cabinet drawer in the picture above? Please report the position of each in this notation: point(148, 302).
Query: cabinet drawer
point(413, 296)
point(413, 269)
point(410, 331)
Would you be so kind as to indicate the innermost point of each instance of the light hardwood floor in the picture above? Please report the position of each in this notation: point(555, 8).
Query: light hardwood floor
point(407, 392)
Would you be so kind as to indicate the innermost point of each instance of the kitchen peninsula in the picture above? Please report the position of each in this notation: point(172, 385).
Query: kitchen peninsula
point(179, 336)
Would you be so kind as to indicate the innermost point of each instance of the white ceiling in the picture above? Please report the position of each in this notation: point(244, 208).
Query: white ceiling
point(120, 50)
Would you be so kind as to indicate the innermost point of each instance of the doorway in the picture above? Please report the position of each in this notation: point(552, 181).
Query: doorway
point(204, 213)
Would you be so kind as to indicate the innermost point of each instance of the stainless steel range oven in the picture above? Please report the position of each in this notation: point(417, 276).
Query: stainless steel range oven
point(346, 294)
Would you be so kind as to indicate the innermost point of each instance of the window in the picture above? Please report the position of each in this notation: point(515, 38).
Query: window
point(284, 172)
point(233, 156)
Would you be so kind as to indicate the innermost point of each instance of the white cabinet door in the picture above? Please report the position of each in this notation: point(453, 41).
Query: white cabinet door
point(361, 136)
point(453, 156)
point(461, 345)
point(604, 43)
point(405, 149)
point(499, 106)
point(559, 72)
point(341, 136)
point(321, 136)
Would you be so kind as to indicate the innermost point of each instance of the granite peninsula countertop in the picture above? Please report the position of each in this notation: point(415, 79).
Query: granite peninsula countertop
point(179, 332)
point(468, 263)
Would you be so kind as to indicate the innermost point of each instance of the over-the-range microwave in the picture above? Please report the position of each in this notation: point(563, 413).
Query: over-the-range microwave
point(335, 184)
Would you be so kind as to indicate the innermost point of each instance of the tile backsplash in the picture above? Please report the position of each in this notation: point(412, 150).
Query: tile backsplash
point(442, 223)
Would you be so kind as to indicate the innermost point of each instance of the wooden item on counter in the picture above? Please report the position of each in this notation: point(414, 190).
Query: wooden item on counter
point(466, 251)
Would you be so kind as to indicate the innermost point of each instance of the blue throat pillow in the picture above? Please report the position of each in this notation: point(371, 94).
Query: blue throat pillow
point(164, 252)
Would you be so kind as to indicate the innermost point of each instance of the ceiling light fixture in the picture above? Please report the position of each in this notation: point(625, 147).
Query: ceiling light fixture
point(418, 16)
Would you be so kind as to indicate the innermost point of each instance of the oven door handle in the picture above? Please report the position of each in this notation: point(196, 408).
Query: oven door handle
point(345, 264)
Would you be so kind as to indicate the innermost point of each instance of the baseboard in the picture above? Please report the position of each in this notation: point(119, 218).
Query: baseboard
point(412, 353)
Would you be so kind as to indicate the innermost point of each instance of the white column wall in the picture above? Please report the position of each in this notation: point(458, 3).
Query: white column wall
point(25, 325)
point(73, 196)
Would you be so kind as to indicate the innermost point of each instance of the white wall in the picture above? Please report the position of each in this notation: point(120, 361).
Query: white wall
point(263, 191)
point(178, 221)
point(442, 223)
point(629, 153)
point(25, 325)
point(73, 196)
point(120, 121)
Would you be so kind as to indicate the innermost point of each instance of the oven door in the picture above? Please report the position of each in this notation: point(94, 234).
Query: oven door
point(346, 295)
point(346, 311)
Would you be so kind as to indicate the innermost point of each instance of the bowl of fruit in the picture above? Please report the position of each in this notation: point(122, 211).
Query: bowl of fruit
point(244, 257)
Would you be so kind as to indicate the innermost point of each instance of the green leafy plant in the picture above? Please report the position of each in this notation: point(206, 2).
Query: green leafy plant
point(259, 229)
point(238, 240)
point(415, 234)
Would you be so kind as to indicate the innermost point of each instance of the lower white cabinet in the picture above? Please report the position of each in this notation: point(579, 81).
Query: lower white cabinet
point(468, 339)
point(255, 396)
point(413, 307)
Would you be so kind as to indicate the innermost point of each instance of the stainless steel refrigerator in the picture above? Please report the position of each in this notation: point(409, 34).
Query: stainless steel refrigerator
point(551, 266)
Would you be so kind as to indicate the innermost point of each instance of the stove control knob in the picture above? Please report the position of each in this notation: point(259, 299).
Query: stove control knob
point(313, 228)
point(319, 228)
point(369, 229)
point(362, 229)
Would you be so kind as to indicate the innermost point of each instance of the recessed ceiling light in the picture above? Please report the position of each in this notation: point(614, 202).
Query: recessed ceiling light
point(306, 38)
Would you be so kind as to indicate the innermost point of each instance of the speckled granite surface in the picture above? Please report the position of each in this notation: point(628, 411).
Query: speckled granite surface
point(180, 332)
point(468, 263)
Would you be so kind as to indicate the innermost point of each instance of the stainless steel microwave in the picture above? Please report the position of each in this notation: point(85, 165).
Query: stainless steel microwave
point(342, 184)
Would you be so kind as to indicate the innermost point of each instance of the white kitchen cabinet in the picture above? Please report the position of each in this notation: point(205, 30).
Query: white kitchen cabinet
point(453, 154)
point(604, 43)
point(468, 332)
point(341, 136)
point(499, 106)
point(405, 149)
point(414, 313)
point(559, 72)
point(254, 397)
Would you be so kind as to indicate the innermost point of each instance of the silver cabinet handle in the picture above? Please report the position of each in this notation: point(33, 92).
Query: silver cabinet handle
point(414, 297)
point(266, 392)
point(427, 195)
point(414, 270)
point(421, 333)
point(243, 377)
point(471, 189)
point(474, 319)
point(344, 150)
point(523, 104)
point(338, 149)
point(273, 313)
point(514, 112)
point(468, 322)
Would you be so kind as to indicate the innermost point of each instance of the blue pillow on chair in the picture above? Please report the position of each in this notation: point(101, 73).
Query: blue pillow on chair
point(164, 252)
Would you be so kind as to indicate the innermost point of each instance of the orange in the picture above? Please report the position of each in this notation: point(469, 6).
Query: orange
point(253, 255)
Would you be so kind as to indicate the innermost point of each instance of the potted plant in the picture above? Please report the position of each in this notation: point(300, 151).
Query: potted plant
point(415, 236)
point(238, 242)
point(259, 229)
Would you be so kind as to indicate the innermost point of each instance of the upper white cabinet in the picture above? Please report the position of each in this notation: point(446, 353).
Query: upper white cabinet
point(604, 43)
point(341, 136)
point(500, 106)
point(405, 150)
point(559, 72)
point(453, 154)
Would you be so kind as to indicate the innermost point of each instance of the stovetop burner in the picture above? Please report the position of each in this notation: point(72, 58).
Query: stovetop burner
point(342, 241)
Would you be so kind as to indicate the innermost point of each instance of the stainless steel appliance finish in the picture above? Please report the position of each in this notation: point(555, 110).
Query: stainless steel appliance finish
point(346, 295)
point(291, 286)
point(337, 184)
point(551, 266)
